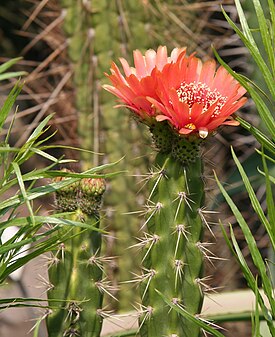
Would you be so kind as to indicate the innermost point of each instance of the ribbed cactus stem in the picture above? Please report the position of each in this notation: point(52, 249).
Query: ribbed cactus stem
point(173, 262)
point(75, 270)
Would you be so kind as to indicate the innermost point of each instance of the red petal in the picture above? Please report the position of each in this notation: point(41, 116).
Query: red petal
point(185, 131)
point(232, 123)
point(193, 71)
point(161, 118)
point(207, 72)
point(161, 59)
point(228, 110)
point(196, 111)
point(203, 119)
point(127, 69)
point(140, 65)
point(157, 104)
point(142, 104)
point(180, 110)
point(150, 60)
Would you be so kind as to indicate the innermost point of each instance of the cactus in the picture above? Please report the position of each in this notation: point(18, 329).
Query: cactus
point(182, 101)
point(97, 32)
point(75, 290)
point(172, 261)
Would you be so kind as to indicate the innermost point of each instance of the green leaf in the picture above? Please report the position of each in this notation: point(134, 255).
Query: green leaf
point(267, 175)
point(19, 300)
point(35, 193)
point(12, 75)
point(41, 248)
point(269, 196)
point(39, 129)
point(9, 103)
point(130, 333)
point(5, 66)
point(254, 200)
point(6, 247)
point(244, 316)
point(256, 320)
point(249, 42)
point(261, 137)
point(236, 251)
point(23, 191)
point(271, 6)
point(272, 160)
point(37, 325)
point(264, 29)
point(5, 149)
point(25, 151)
point(58, 219)
point(244, 25)
point(255, 254)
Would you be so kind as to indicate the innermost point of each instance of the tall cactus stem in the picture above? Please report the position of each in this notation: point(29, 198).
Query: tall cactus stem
point(76, 268)
point(172, 262)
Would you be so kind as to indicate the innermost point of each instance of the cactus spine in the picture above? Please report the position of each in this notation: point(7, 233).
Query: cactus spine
point(75, 270)
point(173, 261)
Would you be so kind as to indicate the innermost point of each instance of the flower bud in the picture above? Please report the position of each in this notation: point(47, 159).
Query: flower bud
point(90, 195)
point(66, 197)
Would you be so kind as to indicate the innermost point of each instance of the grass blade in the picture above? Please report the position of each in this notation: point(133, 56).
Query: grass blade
point(5, 66)
point(14, 74)
point(261, 137)
point(23, 191)
point(254, 200)
point(251, 281)
point(269, 196)
point(244, 24)
point(249, 42)
point(255, 254)
point(264, 29)
point(9, 103)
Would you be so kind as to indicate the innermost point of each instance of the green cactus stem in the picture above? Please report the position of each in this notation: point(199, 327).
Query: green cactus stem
point(76, 287)
point(173, 261)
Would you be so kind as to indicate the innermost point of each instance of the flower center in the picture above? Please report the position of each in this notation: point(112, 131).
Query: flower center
point(197, 92)
point(190, 126)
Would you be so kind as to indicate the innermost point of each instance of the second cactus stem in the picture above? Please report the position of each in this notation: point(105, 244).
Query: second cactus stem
point(75, 269)
point(173, 261)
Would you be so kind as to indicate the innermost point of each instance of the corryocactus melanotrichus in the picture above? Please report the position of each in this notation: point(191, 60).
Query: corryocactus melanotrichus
point(172, 261)
point(182, 101)
point(76, 282)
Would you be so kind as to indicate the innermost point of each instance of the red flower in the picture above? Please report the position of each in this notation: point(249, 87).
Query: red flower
point(192, 96)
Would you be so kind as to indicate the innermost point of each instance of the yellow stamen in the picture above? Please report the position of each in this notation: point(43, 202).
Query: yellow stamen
point(190, 126)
